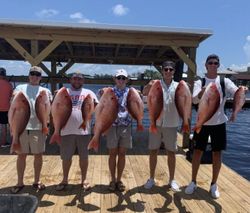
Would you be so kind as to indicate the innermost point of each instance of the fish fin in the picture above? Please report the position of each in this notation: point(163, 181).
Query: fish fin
point(140, 127)
point(94, 144)
point(15, 148)
point(45, 130)
point(83, 126)
point(55, 138)
point(153, 128)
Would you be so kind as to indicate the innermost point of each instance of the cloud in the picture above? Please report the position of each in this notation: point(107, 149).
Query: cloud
point(120, 10)
point(80, 18)
point(46, 13)
point(246, 48)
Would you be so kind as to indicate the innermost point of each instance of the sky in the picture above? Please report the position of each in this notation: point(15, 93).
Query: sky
point(228, 19)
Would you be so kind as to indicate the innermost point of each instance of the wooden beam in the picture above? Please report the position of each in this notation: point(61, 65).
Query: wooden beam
point(45, 69)
point(34, 48)
point(93, 49)
point(184, 57)
point(117, 48)
point(139, 51)
point(161, 51)
point(46, 51)
point(18, 47)
point(70, 48)
point(65, 68)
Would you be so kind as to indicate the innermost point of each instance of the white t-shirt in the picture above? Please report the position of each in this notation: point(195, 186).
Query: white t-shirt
point(169, 116)
point(230, 88)
point(75, 119)
point(31, 92)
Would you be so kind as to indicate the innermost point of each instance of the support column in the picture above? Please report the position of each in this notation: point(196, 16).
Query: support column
point(53, 74)
point(190, 79)
point(178, 71)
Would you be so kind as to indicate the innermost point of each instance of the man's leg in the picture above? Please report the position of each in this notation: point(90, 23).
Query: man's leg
point(20, 165)
point(4, 134)
point(66, 164)
point(152, 162)
point(112, 162)
point(171, 165)
point(121, 162)
point(84, 168)
point(38, 162)
point(196, 163)
point(216, 165)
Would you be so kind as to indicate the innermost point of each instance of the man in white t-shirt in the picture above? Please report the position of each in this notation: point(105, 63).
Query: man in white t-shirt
point(74, 137)
point(32, 140)
point(215, 127)
point(167, 126)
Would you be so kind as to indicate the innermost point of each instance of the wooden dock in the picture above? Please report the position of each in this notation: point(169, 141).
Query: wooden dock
point(234, 189)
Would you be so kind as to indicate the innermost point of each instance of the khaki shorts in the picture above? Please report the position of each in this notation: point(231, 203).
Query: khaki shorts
point(119, 136)
point(32, 141)
point(72, 142)
point(167, 135)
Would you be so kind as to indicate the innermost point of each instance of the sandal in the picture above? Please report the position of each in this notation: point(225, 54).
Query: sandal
point(61, 186)
point(39, 186)
point(112, 186)
point(16, 189)
point(120, 186)
point(85, 186)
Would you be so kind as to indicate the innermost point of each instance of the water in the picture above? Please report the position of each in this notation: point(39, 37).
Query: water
point(237, 155)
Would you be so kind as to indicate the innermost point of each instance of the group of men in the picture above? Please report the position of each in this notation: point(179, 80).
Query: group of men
point(119, 136)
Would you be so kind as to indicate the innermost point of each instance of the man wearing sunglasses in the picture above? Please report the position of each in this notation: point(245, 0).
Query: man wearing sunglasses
point(215, 127)
point(167, 126)
point(32, 140)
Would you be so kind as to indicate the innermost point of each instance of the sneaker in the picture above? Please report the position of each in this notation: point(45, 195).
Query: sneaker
point(174, 186)
point(191, 188)
point(150, 183)
point(214, 191)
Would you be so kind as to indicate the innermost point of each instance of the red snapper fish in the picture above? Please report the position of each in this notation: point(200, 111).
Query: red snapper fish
point(155, 104)
point(238, 102)
point(18, 115)
point(61, 110)
point(105, 113)
point(42, 108)
point(87, 111)
point(183, 102)
point(135, 107)
point(209, 104)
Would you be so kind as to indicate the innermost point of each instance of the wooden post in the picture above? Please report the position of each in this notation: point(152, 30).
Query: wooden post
point(53, 73)
point(190, 79)
point(178, 71)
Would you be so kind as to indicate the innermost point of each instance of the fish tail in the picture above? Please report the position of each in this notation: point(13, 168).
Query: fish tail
point(153, 128)
point(186, 128)
point(197, 129)
point(83, 126)
point(94, 144)
point(55, 138)
point(15, 146)
point(45, 130)
point(140, 127)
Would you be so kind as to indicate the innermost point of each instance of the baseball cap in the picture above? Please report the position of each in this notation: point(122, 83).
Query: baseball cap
point(213, 56)
point(2, 71)
point(168, 64)
point(122, 72)
point(77, 74)
point(36, 69)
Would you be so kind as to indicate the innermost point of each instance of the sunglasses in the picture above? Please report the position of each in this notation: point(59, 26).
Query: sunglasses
point(211, 63)
point(33, 73)
point(121, 78)
point(168, 69)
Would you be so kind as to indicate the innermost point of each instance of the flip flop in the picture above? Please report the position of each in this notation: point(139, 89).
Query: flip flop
point(85, 186)
point(61, 186)
point(120, 186)
point(16, 189)
point(112, 186)
point(39, 186)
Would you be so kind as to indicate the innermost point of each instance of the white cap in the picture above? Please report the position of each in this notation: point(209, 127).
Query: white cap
point(121, 72)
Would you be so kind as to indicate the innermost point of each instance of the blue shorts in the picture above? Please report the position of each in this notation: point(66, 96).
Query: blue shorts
point(217, 134)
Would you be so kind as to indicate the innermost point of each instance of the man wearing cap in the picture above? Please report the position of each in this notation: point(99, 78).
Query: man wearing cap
point(5, 96)
point(119, 137)
point(215, 127)
point(74, 137)
point(167, 126)
point(32, 140)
